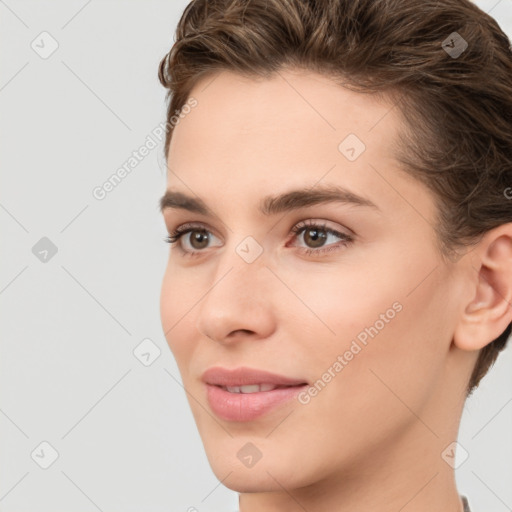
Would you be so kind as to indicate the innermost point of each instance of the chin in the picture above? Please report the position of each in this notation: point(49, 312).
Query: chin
point(250, 483)
point(276, 468)
point(244, 480)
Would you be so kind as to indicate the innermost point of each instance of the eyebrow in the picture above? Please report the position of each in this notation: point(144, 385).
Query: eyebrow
point(272, 205)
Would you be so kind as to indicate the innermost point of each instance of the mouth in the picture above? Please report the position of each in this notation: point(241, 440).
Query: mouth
point(253, 388)
point(245, 394)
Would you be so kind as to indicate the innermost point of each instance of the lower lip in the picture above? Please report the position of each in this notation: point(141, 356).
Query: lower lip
point(248, 406)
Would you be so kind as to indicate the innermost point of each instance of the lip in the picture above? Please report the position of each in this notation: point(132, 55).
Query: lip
point(244, 376)
point(247, 406)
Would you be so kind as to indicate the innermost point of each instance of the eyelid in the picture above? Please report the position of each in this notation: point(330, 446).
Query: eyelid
point(200, 226)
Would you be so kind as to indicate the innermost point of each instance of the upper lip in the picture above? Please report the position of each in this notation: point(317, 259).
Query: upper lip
point(244, 376)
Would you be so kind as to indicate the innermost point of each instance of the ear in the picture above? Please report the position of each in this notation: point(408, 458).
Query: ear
point(489, 311)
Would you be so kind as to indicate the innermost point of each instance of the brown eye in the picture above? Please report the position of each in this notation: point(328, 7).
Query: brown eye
point(191, 240)
point(315, 237)
point(198, 238)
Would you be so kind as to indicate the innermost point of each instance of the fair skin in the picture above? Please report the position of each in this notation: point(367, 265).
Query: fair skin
point(372, 438)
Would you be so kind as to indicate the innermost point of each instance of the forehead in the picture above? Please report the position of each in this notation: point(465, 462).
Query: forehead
point(248, 138)
point(292, 113)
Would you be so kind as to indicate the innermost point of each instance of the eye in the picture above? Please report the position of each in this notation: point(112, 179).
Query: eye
point(316, 235)
point(198, 241)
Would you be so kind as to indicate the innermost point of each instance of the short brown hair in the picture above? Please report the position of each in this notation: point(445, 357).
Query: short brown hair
point(457, 135)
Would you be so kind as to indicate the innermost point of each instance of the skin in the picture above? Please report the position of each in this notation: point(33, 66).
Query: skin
point(373, 437)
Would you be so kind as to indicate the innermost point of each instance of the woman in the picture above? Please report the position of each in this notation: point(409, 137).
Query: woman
point(340, 274)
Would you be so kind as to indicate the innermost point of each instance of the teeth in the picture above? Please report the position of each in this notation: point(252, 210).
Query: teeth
point(267, 387)
point(252, 388)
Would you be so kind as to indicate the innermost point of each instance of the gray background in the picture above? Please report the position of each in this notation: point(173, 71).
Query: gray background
point(125, 437)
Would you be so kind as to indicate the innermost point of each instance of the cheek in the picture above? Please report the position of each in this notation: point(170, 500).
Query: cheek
point(337, 304)
point(388, 319)
point(391, 346)
point(404, 362)
point(177, 299)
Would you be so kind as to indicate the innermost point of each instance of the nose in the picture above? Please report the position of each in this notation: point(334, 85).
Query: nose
point(238, 304)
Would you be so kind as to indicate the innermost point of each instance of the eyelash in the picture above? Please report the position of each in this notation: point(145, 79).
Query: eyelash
point(298, 228)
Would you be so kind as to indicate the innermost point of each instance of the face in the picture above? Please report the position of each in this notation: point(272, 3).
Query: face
point(306, 253)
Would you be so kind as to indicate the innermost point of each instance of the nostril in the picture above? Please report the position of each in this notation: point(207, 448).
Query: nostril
point(238, 331)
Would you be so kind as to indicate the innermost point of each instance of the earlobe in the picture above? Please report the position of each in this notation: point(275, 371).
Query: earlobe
point(489, 312)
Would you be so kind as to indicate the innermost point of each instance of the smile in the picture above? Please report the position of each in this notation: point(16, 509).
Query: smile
point(245, 394)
